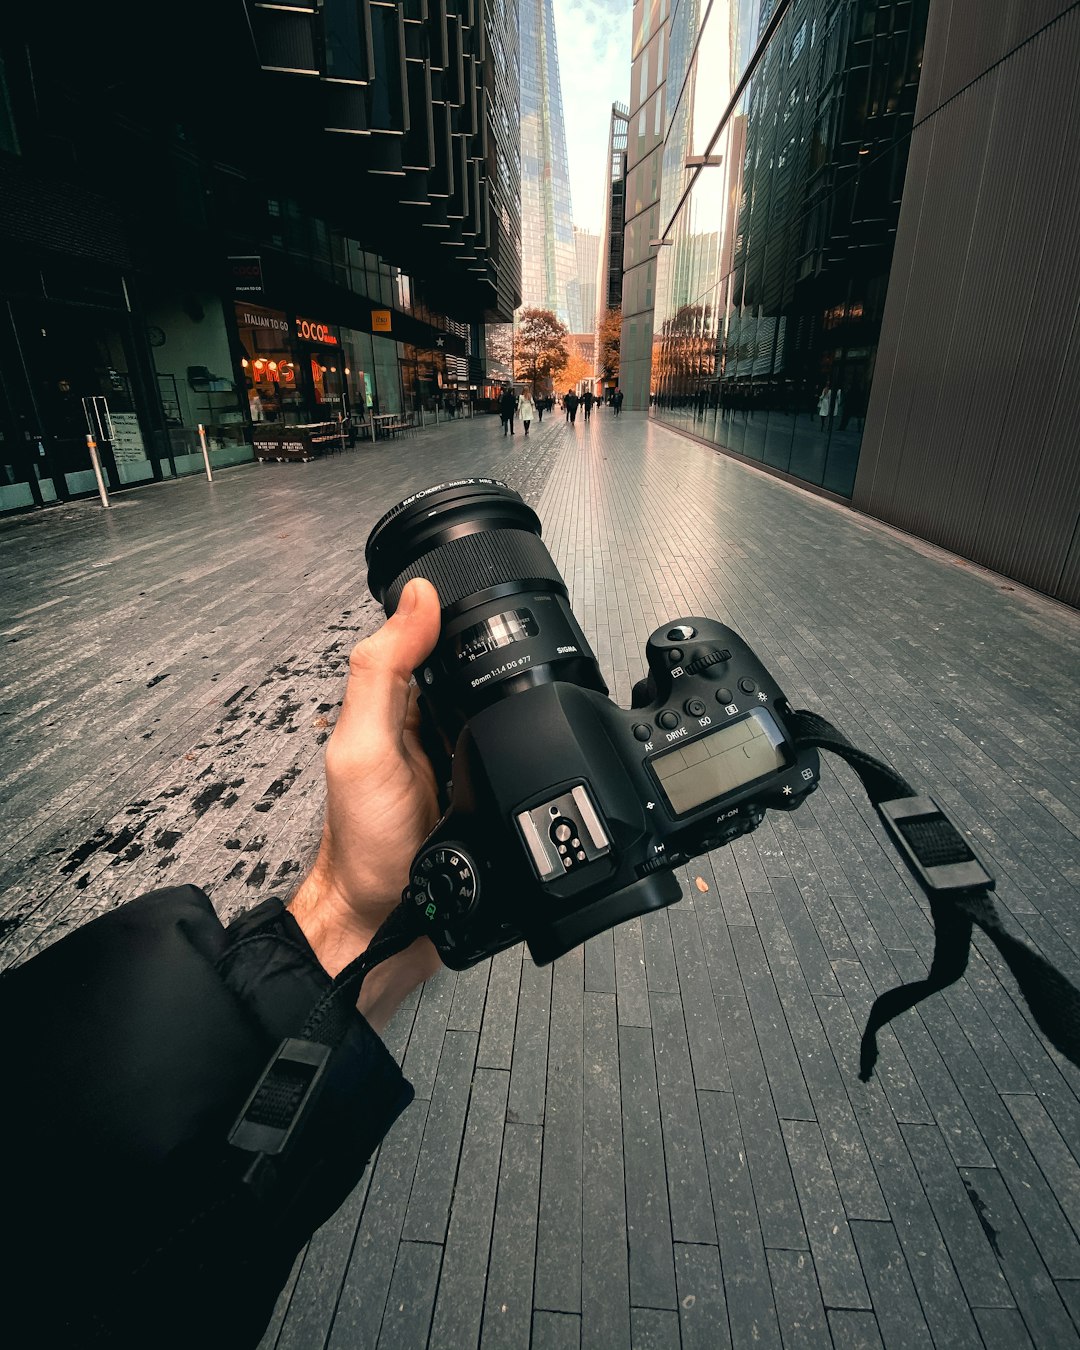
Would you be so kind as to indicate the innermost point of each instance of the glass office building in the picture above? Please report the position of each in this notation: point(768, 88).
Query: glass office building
point(548, 256)
point(583, 298)
point(758, 246)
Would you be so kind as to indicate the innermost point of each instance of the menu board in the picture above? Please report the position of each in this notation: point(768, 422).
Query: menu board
point(127, 441)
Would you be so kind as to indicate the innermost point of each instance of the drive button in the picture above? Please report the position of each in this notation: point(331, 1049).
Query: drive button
point(668, 719)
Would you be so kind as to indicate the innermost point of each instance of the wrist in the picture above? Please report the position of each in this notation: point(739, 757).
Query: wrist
point(334, 930)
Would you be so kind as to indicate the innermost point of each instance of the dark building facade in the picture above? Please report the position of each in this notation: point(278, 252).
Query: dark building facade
point(259, 213)
point(609, 282)
point(610, 262)
point(972, 434)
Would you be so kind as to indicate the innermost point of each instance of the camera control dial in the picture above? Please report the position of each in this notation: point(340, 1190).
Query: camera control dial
point(444, 882)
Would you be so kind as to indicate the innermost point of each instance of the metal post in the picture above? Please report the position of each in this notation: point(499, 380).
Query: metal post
point(205, 453)
point(95, 460)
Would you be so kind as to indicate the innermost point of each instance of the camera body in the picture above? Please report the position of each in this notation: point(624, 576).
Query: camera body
point(568, 814)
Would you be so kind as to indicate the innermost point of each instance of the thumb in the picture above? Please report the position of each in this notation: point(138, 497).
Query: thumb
point(381, 666)
point(408, 638)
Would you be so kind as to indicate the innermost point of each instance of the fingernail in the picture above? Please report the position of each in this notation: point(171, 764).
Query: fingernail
point(407, 603)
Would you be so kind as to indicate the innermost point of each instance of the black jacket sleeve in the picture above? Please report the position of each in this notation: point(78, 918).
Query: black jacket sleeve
point(131, 1047)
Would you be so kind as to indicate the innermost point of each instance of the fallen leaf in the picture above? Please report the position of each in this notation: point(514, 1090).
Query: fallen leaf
point(701, 884)
point(191, 757)
point(320, 722)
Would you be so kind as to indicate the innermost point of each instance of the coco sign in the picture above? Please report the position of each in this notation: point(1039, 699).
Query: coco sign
point(307, 330)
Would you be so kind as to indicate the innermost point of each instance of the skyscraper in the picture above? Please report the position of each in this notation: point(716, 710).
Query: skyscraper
point(587, 252)
point(548, 259)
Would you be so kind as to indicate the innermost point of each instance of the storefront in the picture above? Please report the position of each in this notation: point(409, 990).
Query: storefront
point(75, 372)
point(273, 378)
point(298, 368)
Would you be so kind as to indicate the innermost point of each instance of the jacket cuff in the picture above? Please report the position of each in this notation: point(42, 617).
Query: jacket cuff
point(269, 965)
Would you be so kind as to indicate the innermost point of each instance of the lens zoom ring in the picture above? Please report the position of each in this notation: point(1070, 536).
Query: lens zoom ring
point(476, 561)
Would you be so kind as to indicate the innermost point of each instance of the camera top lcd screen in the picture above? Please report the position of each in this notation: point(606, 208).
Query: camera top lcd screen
point(720, 762)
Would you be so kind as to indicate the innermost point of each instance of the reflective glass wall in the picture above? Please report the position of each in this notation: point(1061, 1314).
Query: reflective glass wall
point(775, 254)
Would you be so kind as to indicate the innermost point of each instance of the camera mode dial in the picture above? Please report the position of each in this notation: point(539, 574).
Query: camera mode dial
point(444, 883)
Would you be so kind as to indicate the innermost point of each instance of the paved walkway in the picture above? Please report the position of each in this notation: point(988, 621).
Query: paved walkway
point(662, 1140)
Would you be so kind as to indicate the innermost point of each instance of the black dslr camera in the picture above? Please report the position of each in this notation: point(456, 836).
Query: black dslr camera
point(567, 814)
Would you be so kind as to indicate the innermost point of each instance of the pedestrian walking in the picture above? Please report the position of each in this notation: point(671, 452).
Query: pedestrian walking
point(507, 409)
point(541, 408)
point(616, 402)
point(526, 411)
point(587, 400)
point(570, 403)
point(829, 404)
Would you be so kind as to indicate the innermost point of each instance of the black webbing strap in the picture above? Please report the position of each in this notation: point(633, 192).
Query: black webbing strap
point(958, 888)
point(275, 1111)
point(329, 1020)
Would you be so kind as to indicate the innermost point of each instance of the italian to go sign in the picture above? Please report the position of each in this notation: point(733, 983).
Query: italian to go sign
point(380, 321)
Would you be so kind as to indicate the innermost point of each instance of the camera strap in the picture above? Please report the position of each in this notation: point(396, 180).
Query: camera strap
point(958, 888)
point(277, 1107)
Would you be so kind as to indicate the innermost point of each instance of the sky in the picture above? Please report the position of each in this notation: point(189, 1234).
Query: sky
point(594, 64)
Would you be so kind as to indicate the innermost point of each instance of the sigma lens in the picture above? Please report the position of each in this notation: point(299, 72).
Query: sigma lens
point(506, 617)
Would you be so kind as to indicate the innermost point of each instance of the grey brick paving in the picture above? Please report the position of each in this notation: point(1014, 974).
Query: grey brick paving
point(662, 1141)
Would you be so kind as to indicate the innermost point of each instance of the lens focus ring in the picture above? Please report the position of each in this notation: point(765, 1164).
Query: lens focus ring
point(475, 562)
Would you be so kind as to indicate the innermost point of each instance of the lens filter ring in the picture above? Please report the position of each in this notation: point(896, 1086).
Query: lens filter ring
point(423, 498)
point(466, 537)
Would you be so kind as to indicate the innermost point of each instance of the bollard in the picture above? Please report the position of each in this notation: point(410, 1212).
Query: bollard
point(91, 445)
point(205, 453)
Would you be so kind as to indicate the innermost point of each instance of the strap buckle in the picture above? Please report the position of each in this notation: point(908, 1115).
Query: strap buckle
point(272, 1115)
point(932, 846)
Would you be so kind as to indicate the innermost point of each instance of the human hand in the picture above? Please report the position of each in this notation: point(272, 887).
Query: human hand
point(381, 803)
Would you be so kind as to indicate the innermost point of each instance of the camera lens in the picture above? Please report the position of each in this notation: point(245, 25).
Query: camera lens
point(506, 618)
